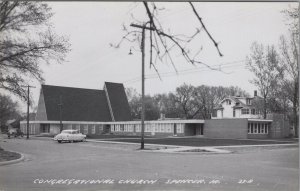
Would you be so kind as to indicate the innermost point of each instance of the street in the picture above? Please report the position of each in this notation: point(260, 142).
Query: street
point(101, 166)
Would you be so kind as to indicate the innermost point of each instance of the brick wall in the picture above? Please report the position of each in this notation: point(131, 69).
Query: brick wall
point(280, 127)
point(226, 128)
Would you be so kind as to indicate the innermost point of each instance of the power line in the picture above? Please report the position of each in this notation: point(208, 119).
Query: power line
point(192, 70)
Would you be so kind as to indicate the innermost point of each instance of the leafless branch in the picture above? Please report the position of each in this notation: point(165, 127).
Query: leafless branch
point(200, 19)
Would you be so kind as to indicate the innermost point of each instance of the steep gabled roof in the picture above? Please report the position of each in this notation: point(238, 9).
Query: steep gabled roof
point(118, 102)
point(78, 104)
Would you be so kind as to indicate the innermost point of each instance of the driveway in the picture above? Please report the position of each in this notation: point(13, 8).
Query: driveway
point(99, 166)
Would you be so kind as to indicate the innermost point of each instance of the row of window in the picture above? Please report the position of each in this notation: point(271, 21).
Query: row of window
point(85, 128)
point(258, 128)
point(32, 129)
point(161, 128)
point(248, 111)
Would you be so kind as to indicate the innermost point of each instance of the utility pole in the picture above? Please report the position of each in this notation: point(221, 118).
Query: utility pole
point(28, 104)
point(143, 27)
point(60, 113)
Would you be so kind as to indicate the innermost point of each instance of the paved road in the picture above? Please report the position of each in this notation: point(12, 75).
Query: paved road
point(270, 169)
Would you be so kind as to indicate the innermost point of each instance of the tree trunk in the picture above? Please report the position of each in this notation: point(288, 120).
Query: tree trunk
point(265, 107)
point(295, 109)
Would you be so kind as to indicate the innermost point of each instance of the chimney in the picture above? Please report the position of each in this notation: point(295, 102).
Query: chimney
point(255, 93)
point(162, 116)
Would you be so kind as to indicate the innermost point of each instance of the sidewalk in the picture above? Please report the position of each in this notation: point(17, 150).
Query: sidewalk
point(189, 149)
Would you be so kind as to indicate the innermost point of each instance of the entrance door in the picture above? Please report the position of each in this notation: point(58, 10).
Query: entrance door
point(201, 129)
point(106, 129)
point(45, 128)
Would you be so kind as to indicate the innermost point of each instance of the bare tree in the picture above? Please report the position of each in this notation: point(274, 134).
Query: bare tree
point(26, 41)
point(186, 102)
point(163, 43)
point(289, 64)
point(263, 62)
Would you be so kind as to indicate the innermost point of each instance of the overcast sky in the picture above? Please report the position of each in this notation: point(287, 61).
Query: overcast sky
point(92, 26)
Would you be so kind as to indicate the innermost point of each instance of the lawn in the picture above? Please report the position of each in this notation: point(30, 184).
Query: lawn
point(198, 142)
point(7, 155)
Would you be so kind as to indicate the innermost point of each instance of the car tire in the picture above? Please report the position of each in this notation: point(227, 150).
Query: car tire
point(59, 141)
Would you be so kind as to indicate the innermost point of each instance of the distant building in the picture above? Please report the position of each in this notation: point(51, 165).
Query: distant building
point(238, 107)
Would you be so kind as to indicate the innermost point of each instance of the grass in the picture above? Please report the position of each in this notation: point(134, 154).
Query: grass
point(199, 142)
point(111, 136)
point(7, 155)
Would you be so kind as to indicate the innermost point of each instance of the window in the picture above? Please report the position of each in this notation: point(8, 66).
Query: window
point(233, 112)
point(245, 111)
point(178, 128)
point(93, 129)
point(138, 128)
point(248, 101)
point(262, 130)
point(163, 129)
point(100, 128)
point(228, 102)
point(85, 129)
point(257, 128)
point(253, 111)
point(77, 127)
point(168, 126)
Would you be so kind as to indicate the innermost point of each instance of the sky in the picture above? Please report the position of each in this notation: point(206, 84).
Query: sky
point(92, 26)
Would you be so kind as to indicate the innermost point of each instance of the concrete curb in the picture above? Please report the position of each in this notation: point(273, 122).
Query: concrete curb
point(128, 143)
point(175, 149)
point(189, 150)
point(13, 161)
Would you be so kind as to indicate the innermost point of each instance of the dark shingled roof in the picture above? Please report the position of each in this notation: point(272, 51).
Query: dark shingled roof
point(118, 101)
point(78, 104)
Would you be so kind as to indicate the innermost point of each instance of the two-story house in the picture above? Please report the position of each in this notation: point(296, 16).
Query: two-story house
point(238, 107)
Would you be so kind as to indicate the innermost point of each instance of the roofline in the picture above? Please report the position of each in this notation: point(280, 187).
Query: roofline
point(71, 87)
point(227, 98)
point(109, 103)
point(260, 120)
point(117, 122)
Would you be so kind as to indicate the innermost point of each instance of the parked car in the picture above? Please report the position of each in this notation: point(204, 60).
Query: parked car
point(70, 136)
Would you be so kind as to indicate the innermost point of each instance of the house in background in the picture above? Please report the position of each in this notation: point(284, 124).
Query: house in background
point(238, 116)
point(239, 107)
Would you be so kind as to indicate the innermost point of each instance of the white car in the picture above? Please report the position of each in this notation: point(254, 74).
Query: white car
point(69, 135)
